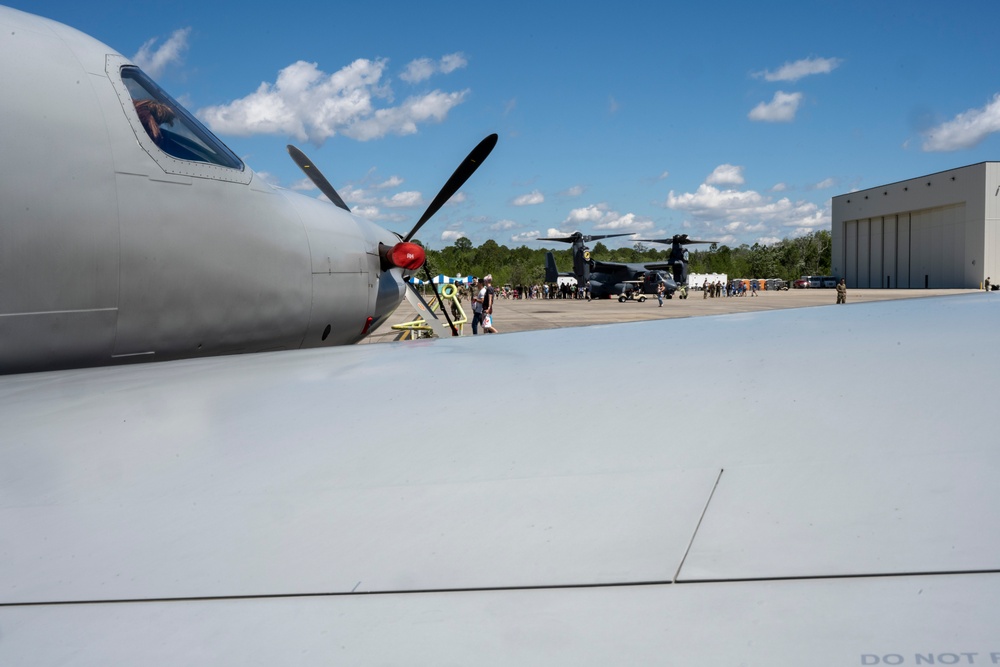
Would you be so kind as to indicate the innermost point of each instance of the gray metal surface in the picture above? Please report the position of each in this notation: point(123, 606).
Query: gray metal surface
point(307, 504)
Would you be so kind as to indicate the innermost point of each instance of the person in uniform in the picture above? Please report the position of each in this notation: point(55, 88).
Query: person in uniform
point(842, 291)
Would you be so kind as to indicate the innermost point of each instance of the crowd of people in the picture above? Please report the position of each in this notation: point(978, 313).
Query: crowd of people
point(730, 289)
point(483, 295)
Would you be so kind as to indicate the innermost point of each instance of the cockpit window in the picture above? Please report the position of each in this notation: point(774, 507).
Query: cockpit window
point(171, 127)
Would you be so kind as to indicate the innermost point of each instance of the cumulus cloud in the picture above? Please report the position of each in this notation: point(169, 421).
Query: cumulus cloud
point(422, 69)
point(304, 185)
point(310, 105)
point(965, 130)
point(409, 199)
point(825, 184)
point(532, 198)
point(452, 235)
point(601, 216)
point(729, 213)
point(800, 68)
point(573, 191)
point(726, 174)
point(781, 108)
point(154, 61)
point(525, 236)
point(391, 182)
point(505, 225)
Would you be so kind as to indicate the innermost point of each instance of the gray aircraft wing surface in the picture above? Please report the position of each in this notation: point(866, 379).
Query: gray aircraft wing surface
point(821, 489)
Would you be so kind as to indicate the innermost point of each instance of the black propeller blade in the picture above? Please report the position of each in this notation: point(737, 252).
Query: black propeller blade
point(316, 176)
point(457, 180)
point(577, 236)
point(681, 239)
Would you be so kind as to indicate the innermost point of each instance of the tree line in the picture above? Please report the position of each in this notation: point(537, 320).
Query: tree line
point(787, 259)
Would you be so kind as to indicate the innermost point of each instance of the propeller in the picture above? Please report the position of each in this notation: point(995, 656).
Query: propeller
point(316, 176)
point(680, 239)
point(406, 255)
point(580, 237)
point(457, 180)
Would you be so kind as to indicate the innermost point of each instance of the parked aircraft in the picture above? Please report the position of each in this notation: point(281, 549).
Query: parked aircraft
point(608, 279)
point(130, 232)
point(678, 254)
point(296, 507)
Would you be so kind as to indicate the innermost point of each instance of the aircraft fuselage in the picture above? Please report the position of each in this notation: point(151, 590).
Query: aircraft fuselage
point(113, 249)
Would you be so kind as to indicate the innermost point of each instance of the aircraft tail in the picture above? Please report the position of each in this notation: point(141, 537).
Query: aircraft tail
point(551, 273)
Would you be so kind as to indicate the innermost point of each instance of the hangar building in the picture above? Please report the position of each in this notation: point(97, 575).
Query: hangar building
point(937, 231)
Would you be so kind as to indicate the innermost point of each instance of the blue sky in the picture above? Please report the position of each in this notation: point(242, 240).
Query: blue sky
point(734, 122)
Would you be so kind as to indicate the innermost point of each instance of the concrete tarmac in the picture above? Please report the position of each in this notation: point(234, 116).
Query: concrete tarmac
point(512, 315)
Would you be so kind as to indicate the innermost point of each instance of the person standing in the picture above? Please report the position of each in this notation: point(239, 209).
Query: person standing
point(659, 294)
point(489, 298)
point(842, 291)
point(987, 283)
point(477, 306)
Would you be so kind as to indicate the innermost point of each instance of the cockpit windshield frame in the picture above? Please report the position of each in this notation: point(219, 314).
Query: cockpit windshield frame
point(177, 141)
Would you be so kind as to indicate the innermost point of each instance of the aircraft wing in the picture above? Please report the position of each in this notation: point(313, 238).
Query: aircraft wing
point(608, 267)
point(822, 494)
point(659, 266)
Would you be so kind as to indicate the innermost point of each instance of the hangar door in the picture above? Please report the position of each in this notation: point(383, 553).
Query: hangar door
point(915, 249)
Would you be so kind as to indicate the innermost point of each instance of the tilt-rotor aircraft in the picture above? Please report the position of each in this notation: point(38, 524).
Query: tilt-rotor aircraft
point(613, 279)
point(678, 254)
point(305, 507)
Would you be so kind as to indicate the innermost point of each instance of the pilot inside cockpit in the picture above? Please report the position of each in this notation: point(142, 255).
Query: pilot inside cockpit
point(152, 114)
point(173, 129)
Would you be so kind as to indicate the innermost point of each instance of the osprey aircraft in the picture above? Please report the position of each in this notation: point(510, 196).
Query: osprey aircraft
point(612, 279)
point(678, 254)
point(828, 498)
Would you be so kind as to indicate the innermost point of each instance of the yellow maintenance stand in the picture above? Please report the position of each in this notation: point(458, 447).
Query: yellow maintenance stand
point(427, 323)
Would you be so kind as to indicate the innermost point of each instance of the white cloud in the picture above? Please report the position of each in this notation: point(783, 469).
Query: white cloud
point(452, 235)
point(573, 191)
point(418, 70)
point(505, 225)
point(422, 69)
point(304, 185)
point(779, 187)
point(749, 210)
point(525, 236)
point(391, 182)
point(366, 211)
point(799, 69)
point(452, 62)
point(409, 199)
point(728, 214)
point(966, 129)
point(155, 61)
point(726, 174)
point(825, 184)
point(310, 105)
point(532, 198)
point(601, 216)
point(781, 108)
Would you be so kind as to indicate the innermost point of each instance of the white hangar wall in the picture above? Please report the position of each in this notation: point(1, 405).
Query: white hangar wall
point(936, 231)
